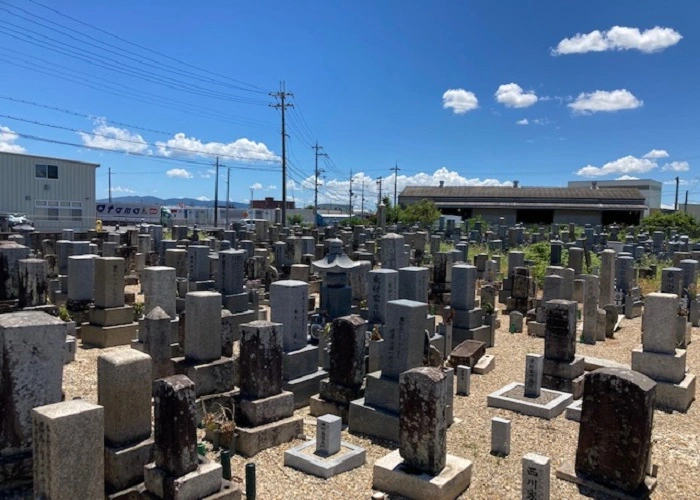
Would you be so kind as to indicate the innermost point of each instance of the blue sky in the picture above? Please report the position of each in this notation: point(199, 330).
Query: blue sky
point(465, 92)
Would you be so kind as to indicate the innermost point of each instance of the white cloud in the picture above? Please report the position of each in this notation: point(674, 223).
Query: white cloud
point(202, 198)
point(602, 100)
point(179, 172)
point(240, 149)
point(119, 189)
point(522, 122)
point(512, 96)
point(619, 38)
point(7, 141)
point(460, 100)
point(681, 182)
point(666, 206)
point(256, 186)
point(627, 165)
point(113, 138)
point(627, 178)
point(677, 166)
point(656, 153)
point(271, 187)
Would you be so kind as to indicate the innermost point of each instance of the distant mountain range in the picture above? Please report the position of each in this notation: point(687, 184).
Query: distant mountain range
point(154, 200)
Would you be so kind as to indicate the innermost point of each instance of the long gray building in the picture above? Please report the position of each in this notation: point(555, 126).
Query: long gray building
point(533, 205)
point(54, 193)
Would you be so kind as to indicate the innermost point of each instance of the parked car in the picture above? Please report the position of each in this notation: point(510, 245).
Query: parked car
point(18, 220)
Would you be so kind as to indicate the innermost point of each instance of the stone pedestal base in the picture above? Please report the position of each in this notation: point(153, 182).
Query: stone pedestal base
point(124, 465)
point(482, 333)
point(486, 363)
point(535, 329)
point(214, 402)
point(658, 366)
point(301, 362)
point(304, 459)
point(304, 387)
point(108, 336)
point(208, 378)
point(205, 482)
point(251, 440)
point(111, 316)
point(390, 475)
point(676, 397)
point(573, 387)
point(568, 473)
point(511, 397)
point(257, 412)
point(372, 421)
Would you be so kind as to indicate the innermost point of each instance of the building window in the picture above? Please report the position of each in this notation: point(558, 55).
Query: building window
point(77, 214)
point(52, 213)
point(46, 171)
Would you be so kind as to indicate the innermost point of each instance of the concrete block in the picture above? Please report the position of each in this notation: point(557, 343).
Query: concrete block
point(200, 483)
point(485, 364)
point(301, 362)
point(677, 397)
point(124, 464)
point(299, 458)
point(252, 440)
point(208, 378)
point(304, 387)
point(108, 336)
point(560, 369)
point(382, 392)
point(372, 421)
point(555, 403)
point(660, 367)
point(257, 412)
point(573, 411)
point(391, 476)
point(112, 316)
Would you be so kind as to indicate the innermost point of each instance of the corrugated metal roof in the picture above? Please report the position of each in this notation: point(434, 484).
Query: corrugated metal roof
point(534, 193)
point(537, 205)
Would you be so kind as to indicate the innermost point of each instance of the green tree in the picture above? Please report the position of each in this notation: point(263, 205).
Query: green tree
point(683, 223)
point(295, 219)
point(393, 214)
point(424, 213)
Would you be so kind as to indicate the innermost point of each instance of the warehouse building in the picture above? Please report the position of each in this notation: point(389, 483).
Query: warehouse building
point(533, 205)
point(651, 190)
point(54, 193)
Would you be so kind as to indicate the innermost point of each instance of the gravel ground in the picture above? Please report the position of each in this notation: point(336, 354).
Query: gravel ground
point(676, 436)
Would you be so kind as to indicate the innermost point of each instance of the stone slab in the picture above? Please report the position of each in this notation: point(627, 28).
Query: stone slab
point(374, 422)
point(251, 440)
point(108, 336)
point(548, 411)
point(301, 362)
point(112, 316)
point(573, 411)
point(572, 386)
point(262, 411)
point(349, 458)
point(200, 483)
point(382, 392)
point(676, 397)
point(485, 364)
point(304, 387)
point(562, 369)
point(660, 367)
point(208, 378)
point(591, 363)
point(390, 475)
point(124, 464)
point(568, 473)
point(319, 407)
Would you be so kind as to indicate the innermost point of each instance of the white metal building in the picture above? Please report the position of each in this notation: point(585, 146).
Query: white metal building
point(650, 189)
point(54, 193)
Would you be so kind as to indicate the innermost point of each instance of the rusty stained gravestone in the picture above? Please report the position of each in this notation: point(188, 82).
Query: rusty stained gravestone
point(261, 359)
point(423, 423)
point(468, 353)
point(615, 433)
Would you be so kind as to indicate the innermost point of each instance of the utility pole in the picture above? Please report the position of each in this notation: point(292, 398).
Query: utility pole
point(362, 205)
point(216, 195)
point(379, 183)
point(350, 205)
point(282, 105)
point(252, 195)
point(110, 184)
point(396, 175)
point(685, 207)
point(316, 174)
point(228, 192)
point(678, 181)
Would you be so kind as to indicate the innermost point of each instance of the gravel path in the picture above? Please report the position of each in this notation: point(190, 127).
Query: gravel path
point(676, 436)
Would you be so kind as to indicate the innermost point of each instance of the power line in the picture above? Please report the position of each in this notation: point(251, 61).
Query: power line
point(131, 93)
point(184, 63)
point(140, 143)
point(168, 68)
